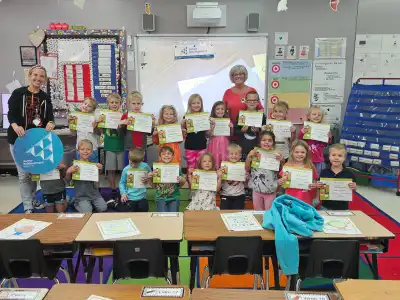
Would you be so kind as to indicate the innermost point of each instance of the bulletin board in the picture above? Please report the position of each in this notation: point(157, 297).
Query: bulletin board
point(84, 63)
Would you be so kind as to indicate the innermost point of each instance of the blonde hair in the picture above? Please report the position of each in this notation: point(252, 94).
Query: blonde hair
point(85, 141)
point(238, 69)
point(281, 104)
point(307, 161)
point(234, 147)
point(135, 94)
point(136, 155)
point(190, 101)
point(115, 96)
point(314, 107)
point(160, 117)
point(38, 67)
point(92, 101)
point(213, 167)
point(338, 147)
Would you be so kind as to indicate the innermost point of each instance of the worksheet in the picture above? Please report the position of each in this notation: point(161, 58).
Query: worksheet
point(300, 296)
point(197, 122)
point(233, 171)
point(23, 294)
point(265, 159)
point(115, 229)
point(165, 173)
point(140, 122)
point(23, 229)
point(241, 221)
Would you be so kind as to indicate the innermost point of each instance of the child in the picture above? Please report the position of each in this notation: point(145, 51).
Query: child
point(300, 157)
point(232, 192)
point(337, 156)
point(132, 199)
point(167, 194)
point(53, 192)
point(247, 137)
point(315, 115)
point(204, 200)
point(263, 182)
point(87, 195)
point(168, 115)
point(218, 145)
point(195, 142)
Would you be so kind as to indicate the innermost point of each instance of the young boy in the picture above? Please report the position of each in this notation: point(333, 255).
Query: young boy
point(232, 192)
point(53, 191)
point(167, 194)
point(87, 195)
point(132, 199)
point(337, 155)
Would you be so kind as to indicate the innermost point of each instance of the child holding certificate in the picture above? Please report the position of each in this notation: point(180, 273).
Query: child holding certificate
point(315, 115)
point(218, 144)
point(168, 115)
point(336, 170)
point(263, 182)
point(87, 195)
point(300, 158)
point(204, 199)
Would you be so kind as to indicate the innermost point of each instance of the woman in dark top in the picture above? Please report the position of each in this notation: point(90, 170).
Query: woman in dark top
point(29, 107)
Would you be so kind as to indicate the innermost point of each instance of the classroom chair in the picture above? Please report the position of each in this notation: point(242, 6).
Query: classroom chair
point(332, 259)
point(25, 259)
point(236, 256)
point(139, 259)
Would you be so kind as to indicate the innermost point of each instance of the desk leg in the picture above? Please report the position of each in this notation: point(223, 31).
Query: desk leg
point(193, 267)
point(375, 266)
point(174, 269)
point(71, 272)
point(90, 269)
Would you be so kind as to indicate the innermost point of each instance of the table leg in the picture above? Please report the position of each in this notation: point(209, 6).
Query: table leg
point(71, 272)
point(375, 266)
point(193, 267)
point(275, 266)
point(174, 269)
point(90, 269)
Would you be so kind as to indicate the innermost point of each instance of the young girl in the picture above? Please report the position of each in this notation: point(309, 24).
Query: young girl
point(315, 115)
point(168, 115)
point(204, 200)
point(300, 157)
point(218, 145)
point(263, 182)
point(195, 142)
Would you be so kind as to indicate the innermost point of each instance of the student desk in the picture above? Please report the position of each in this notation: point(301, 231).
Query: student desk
point(202, 228)
point(151, 225)
point(112, 291)
point(368, 289)
point(235, 294)
point(57, 239)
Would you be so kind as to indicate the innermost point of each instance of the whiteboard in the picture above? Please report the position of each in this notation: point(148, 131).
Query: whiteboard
point(163, 79)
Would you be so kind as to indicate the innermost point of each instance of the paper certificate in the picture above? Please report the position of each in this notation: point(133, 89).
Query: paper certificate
point(170, 133)
point(163, 292)
point(222, 127)
point(197, 122)
point(87, 171)
point(297, 178)
point(109, 119)
point(165, 173)
point(317, 131)
point(115, 229)
point(339, 225)
point(23, 229)
point(305, 296)
point(265, 159)
point(233, 171)
point(81, 121)
point(140, 122)
point(94, 297)
point(241, 221)
point(52, 175)
point(335, 189)
point(135, 178)
point(23, 294)
point(204, 180)
point(250, 118)
point(281, 129)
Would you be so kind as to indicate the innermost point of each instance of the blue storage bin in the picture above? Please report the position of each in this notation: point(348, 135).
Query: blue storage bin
point(384, 183)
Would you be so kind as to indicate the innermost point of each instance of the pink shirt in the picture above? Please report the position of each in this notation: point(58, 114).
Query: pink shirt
point(235, 102)
point(316, 147)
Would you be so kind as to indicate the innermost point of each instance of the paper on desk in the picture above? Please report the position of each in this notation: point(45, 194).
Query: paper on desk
point(23, 229)
point(94, 297)
point(164, 292)
point(338, 225)
point(241, 221)
point(70, 216)
point(115, 229)
point(20, 294)
point(298, 296)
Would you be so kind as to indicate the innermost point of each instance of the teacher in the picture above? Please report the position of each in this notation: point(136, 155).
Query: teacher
point(234, 97)
point(29, 107)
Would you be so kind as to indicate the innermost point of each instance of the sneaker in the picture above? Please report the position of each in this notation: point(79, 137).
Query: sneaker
point(37, 204)
point(28, 211)
point(112, 203)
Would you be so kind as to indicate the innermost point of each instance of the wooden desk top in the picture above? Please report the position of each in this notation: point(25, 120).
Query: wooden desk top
point(368, 289)
point(234, 294)
point(112, 291)
point(151, 227)
point(208, 226)
point(60, 232)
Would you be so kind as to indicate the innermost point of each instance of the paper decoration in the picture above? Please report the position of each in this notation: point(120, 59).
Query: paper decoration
point(50, 63)
point(281, 38)
point(334, 4)
point(147, 8)
point(80, 3)
point(328, 81)
point(37, 37)
point(77, 82)
point(332, 113)
point(282, 5)
point(330, 48)
point(279, 52)
point(304, 50)
point(291, 52)
point(73, 51)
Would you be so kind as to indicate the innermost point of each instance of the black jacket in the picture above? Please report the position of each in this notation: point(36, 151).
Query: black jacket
point(17, 111)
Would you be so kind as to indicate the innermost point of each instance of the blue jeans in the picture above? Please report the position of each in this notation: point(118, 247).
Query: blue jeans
point(94, 158)
point(167, 205)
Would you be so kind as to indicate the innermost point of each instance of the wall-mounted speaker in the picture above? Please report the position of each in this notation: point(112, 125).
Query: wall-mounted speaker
point(149, 22)
point(253, 22)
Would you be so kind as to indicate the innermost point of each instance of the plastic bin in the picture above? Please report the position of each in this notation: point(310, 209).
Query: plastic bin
point(384, 183)
point(360, 177)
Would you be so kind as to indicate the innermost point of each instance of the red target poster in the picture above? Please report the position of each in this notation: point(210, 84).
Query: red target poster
point(77, 83)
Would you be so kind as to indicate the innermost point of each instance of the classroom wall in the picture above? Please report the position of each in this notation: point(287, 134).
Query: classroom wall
point(378, 17)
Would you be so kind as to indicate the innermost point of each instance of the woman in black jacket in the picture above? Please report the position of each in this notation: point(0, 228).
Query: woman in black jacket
point(29, 107)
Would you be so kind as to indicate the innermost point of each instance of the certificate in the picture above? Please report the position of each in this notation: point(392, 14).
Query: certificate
point(241, 221)
point(109, 119)
point(81, 121)
point(339, 225)
point(250, 118)
point(115, 229)
point(23, 294)
point(281, 129)
point(265, 159)
point(317, 131)
point(306, 296)
point(297, 178)
point(87, 171)
point(140, 122)
point(135, 177)
point(233, 171)
point(204, 180)
point(335, 189)
point(52, 175)
point(165, 173)
point(197, 122)
point(23, 229)
point(170, 133)
point(222, 127)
